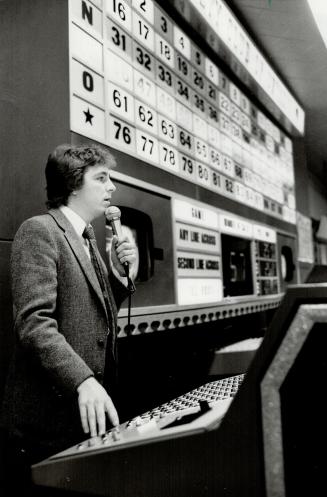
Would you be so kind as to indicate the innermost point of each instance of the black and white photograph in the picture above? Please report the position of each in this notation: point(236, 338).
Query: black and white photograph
point(163, 248)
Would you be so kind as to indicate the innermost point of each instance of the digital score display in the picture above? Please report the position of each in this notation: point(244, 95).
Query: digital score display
point(228, 29)
point(139, 84)
point(220, 255)
point(265, 253)
point(197, 243)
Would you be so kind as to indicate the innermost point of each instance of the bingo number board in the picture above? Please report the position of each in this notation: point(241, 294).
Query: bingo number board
point(139, 84)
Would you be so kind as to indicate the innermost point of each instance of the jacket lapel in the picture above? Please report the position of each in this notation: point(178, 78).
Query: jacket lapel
point(80, 254)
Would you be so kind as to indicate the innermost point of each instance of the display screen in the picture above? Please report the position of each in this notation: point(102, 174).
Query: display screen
point(139, 84)
point(237, 267)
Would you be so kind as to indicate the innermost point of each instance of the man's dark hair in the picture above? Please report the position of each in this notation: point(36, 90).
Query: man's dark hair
point(66, 167)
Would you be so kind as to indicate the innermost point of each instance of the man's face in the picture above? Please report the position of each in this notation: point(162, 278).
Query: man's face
point(94, 196)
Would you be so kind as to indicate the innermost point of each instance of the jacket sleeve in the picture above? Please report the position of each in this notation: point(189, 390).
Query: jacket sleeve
point(34, 288)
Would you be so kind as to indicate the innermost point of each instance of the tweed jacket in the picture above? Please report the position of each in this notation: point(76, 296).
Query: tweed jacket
point(61, 328)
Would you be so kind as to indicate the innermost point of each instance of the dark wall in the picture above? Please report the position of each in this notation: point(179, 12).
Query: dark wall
point(34, 106)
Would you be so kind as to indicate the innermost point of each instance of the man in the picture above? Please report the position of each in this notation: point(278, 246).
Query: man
point(59, 384)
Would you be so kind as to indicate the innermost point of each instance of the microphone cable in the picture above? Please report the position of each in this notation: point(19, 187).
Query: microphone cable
point(131, 290)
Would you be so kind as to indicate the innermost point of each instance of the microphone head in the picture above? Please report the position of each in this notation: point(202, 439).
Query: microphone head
point(113, 213)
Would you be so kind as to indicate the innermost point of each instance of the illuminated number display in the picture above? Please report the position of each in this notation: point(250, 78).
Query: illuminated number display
point(147, 146)
point(139, 84)
point(187, 166)
point(118, 40)
point(167, 130)
point(145, 117)
point(168, 157)
point(120, 102)
point(144, 88)
point(143, 32)
point(121, 135)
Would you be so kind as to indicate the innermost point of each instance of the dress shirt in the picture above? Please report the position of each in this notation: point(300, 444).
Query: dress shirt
point(78, 224)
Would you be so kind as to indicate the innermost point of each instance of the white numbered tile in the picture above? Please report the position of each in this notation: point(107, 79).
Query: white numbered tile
point(226, 144)
point(182, 42)
point(270, 144)
point(119, 71)
point(199, 82)
point(228, 187)
point(212, 114)
point(234, 94)
point(217, 181)
point(253, 113)
point(121, 135)
point(223, 83)
point(246, 123)
point(185, 141)
point(167, 130)
point(120, 12)
point(145, 8)
point(247, 158)
point(238, 172)
point(258, 183)
point(266, 204)
point(143, 60)
point(199, 104)
point(261, 120)
point(187, 167)
point(235, 114)
point(237, 152)
point(86, 48)
point(228, 166)
point(184, 116)
point(120, 102)
point(163, 25)
point(248, 177)
point(165, 77)
point(88, 16)
point(224, 122)
point(215, 159)
point(200, 127)
point(87, 120)
point(224, 103)
point(213, 136)
point(245, 104)
point(183, 68)
point(239, 189)
point(249, 196)
point(144, 88)
point(118, 40)
point(236, 132)
point(212, 93)
point(211, 71)
point(166, 103)
point(197, 58)
point(183, 92)
point(146, 117)
point(164, 51)
point(201, 150)
point(203, 174)
point(168, 158)
point(258, 201)
point(143, 32)
point(86, 83)
point(147, 147)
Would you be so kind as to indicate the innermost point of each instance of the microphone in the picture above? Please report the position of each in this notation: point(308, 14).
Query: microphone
point(113, 217)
